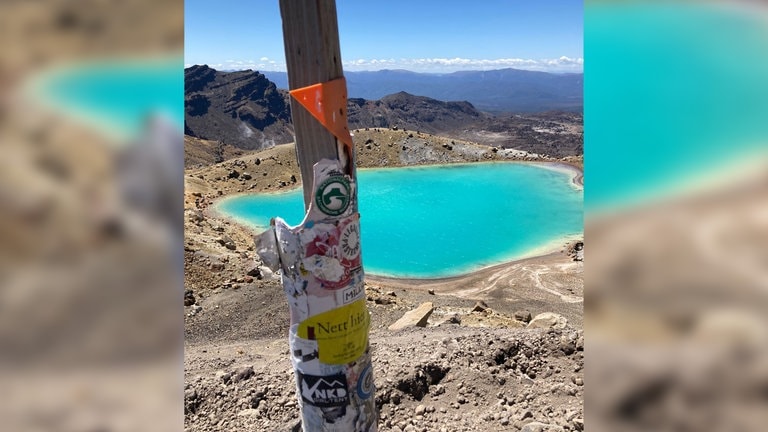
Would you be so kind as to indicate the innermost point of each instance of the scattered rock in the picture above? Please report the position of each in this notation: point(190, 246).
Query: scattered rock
point(191, 401)
point(242, 374)
point(224, 377)
point(255, 272)
point(567, 346)
point(480, 306)
point(226, 242)
point(195, 215)
point(382, 300)
point(268, 274)
point(578, 424)
point(431, 292)
point(233, 174)
point(417, 317)
point(454, 319)
point(189, 298)
point(548, 320)
point(576, 251)
point(523, 315)
point(246, 176)
point(539, 427)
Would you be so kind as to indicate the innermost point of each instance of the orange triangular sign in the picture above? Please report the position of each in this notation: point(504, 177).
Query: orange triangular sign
point(327, 102)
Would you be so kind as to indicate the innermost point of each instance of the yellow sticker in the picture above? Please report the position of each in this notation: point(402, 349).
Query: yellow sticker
point(341, 333)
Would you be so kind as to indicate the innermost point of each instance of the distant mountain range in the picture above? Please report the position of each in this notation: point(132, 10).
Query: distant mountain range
point(495, 91)
point(246, 110)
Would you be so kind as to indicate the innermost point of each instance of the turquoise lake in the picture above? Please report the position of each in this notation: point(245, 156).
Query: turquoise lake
point(439, 221)
point(116, 97)
point(673, 93)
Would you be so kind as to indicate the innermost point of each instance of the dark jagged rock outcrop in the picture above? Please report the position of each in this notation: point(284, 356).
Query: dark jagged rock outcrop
point(197, 77)
point(243, 109)
point(412, 112)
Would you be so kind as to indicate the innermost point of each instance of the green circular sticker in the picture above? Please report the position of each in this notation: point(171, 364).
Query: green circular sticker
point(333, 195)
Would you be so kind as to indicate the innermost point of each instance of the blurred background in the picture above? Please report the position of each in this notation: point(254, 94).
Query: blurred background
point(91, 95)
point(676, 222)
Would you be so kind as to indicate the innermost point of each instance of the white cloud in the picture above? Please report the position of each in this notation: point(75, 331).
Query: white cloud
point(264, 64)
point(436, 65)
point(562, 64)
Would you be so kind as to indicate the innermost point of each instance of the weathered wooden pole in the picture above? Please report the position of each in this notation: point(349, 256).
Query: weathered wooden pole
point(312, 54)
point(320, 259)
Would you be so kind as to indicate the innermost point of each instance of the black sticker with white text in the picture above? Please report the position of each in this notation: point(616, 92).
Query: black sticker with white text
point(324, 391)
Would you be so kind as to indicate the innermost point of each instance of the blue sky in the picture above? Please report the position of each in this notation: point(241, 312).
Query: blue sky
point(418, 35)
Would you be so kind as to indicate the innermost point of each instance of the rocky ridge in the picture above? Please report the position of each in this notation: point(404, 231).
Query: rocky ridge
point(246, 110)
point(243, 109)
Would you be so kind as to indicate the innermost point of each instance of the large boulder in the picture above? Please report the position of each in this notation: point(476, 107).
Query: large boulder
point(414, 318)
point(548, 320)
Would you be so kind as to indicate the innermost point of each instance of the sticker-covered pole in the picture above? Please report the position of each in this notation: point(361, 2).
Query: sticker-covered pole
point(321, 259)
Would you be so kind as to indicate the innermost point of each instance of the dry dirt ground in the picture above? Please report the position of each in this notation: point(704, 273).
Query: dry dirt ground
point(477, 365)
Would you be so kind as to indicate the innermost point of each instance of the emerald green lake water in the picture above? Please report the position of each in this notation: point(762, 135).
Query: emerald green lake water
point(116, 97)
point(674, 92)
point(440, 221)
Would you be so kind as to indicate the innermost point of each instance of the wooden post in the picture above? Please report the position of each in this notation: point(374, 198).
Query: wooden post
point(325, 285)
point(312, 54)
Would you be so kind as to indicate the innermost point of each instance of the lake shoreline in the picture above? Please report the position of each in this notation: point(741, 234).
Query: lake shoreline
point(553, 246)
point(225, 209)
point(415, 281)
point(274, 170)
